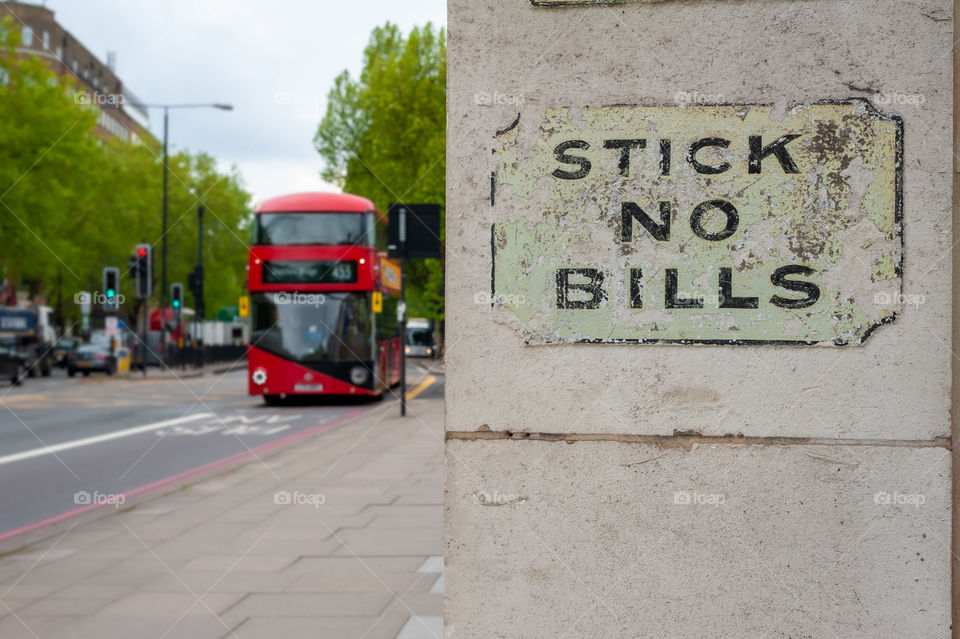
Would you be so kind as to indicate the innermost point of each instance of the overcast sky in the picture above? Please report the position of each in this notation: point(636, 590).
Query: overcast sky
point(274, 61)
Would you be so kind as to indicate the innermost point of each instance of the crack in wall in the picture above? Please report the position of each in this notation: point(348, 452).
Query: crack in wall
point(687, 439)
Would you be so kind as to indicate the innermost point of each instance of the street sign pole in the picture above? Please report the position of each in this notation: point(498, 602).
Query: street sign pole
point(403, 317)
point(198, 317)
point(143, 339)
point(163, 249)
point(423, 242)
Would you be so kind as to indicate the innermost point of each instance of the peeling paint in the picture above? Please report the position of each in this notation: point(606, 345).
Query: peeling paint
point(719, 200)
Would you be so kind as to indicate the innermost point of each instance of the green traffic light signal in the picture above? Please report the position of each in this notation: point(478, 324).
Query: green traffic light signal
point(111, 280)
point(176, 297)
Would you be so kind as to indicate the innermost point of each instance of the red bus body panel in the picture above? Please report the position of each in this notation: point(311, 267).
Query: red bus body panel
point(391, 359)
point(283, 375)
point(316, 203)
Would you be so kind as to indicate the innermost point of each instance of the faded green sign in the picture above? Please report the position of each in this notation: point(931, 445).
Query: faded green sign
point(720, 224)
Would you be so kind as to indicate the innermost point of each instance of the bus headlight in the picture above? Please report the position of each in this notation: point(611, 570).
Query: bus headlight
point(259, 377)
point(359, 375)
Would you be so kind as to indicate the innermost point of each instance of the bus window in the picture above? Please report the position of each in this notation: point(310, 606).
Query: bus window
point(326, 229)
point(334, 327)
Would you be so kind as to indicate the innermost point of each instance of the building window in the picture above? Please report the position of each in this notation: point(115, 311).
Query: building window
point(4, 77)
point(75, 67)
point(27, 35)
point(112, 126)
point(96, 83)
point(60, 53)
point(46, 40)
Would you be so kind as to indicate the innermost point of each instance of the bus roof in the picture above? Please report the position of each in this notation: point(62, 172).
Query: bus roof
point(316, 202)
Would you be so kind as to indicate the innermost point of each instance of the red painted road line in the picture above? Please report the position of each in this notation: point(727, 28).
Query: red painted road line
point(188, 474)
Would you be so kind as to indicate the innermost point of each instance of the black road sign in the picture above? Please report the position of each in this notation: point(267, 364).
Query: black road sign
point(413, 231)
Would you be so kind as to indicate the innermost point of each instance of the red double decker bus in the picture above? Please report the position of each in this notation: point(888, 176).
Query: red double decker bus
point(323, 299)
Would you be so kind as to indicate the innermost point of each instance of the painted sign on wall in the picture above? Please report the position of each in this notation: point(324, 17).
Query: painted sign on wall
point(727, 224)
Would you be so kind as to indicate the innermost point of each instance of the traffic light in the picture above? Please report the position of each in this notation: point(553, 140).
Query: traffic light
point(111, 285)
point(143, 256)
point(195, 282)
point(176, 298)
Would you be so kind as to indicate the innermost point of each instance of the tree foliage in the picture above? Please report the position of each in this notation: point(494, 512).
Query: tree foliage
point(384, 136)
point(72, 203)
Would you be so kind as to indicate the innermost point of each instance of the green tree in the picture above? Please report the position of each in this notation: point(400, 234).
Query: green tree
point(48, 159)
point(226, 223)
point(72, 203)
point(384, 137)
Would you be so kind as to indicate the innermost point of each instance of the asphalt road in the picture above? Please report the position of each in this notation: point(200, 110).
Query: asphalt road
point(69, 445)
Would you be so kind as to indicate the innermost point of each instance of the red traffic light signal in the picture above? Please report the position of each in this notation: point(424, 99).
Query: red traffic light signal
point(143, 270)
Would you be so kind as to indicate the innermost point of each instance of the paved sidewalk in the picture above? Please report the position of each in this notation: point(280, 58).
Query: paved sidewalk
point(339, 535)
point(432, 366)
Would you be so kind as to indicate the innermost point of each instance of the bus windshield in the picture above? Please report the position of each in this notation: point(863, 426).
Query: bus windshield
point(291, 229)
point(313, 327)
point(419, 337)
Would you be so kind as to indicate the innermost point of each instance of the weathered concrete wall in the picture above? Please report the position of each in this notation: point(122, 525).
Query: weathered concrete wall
point(601, 539)
point(829, 434)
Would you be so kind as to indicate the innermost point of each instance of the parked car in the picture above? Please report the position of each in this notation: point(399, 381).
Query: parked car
point(12, 365)
point(36, 357)
point(91, 357)
point(65, 346)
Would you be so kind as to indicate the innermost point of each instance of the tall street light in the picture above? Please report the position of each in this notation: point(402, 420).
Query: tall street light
point(163, 238)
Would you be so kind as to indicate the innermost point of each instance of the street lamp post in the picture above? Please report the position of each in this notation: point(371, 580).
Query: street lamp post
point(163, 238)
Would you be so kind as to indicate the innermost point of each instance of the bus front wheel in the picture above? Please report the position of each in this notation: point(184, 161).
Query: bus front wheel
point(272, 400)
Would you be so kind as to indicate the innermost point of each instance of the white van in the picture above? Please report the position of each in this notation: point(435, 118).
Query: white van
point(420, 341)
